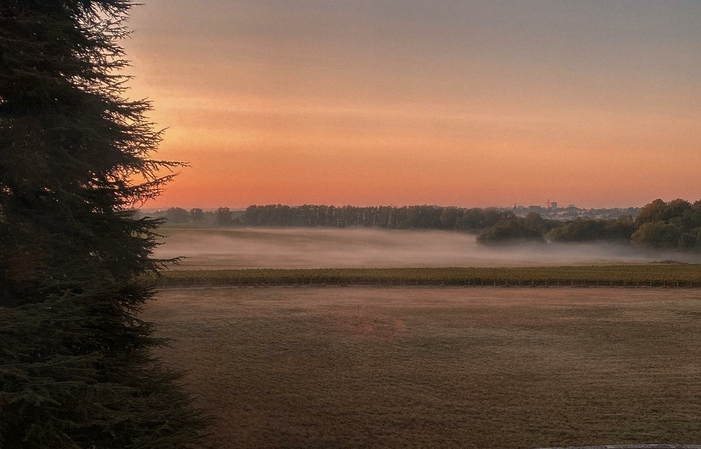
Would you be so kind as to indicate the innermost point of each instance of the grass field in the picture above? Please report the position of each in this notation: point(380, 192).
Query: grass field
point(438, 367)
point(630, 275)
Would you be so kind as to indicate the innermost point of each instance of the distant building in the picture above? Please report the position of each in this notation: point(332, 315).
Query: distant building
point(572, 212)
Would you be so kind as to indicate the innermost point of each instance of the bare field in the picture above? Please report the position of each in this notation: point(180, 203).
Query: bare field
point(237, 248)
point(438, 367)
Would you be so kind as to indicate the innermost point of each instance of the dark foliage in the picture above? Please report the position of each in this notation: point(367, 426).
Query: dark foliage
point(388, 217)
point(530, 228)
point(74, 158)
point(76, 373)
point(581, 230)
point(673, 225)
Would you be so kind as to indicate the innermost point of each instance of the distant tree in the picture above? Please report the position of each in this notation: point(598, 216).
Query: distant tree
point(652, 212)
point(177, 215)
point(449, 217)
point(510, 231)
point(491, 216)
point(676, 208)
point(658, 235)
point(196, 215)
point(535, 221)
point(578, 230)
point(689, 240)
point(223, 216)
point(474, 219)
point(620, 229)
point(673, 225)
point(690, 219)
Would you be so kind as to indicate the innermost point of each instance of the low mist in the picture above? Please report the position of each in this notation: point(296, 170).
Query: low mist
point(373, 248)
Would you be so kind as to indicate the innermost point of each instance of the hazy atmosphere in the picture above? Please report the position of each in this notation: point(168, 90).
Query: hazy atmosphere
point(360, 248)
point(466, 103)
point(350, 224)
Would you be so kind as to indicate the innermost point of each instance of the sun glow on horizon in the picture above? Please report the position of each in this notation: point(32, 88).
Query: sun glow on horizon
point(477, 104)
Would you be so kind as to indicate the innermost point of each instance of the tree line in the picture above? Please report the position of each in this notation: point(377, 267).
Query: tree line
point(387, 217)
point(673, 225)
point(660, 225)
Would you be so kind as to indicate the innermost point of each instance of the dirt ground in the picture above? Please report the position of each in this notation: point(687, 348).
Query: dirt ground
point(438, 367)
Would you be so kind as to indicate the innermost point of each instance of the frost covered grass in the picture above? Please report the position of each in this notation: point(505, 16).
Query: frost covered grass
point(438, 367)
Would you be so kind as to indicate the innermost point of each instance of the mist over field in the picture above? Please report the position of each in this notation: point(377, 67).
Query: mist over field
point(374, 248)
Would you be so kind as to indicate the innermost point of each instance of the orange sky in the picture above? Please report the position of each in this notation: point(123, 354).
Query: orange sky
point(446, 102)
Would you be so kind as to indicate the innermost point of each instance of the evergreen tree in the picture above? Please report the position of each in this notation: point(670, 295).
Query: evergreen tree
point(75, 156)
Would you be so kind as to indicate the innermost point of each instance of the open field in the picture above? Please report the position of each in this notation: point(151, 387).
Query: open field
point(438, 367)
point(632, 275)
point(304, 256)
point(302, 248)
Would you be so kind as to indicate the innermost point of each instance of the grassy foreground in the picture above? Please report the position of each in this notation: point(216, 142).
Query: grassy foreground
point(481, 368)
point(633, 275)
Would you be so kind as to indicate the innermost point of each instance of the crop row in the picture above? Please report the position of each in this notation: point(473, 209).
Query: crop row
point(650, 275)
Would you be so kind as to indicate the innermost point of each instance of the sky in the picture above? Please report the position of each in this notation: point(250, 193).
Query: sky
point(450, 102)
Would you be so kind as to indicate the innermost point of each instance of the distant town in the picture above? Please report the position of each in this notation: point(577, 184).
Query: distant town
point(553, 211)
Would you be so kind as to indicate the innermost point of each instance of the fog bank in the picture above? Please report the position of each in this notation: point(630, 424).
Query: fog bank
point(375, 248)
